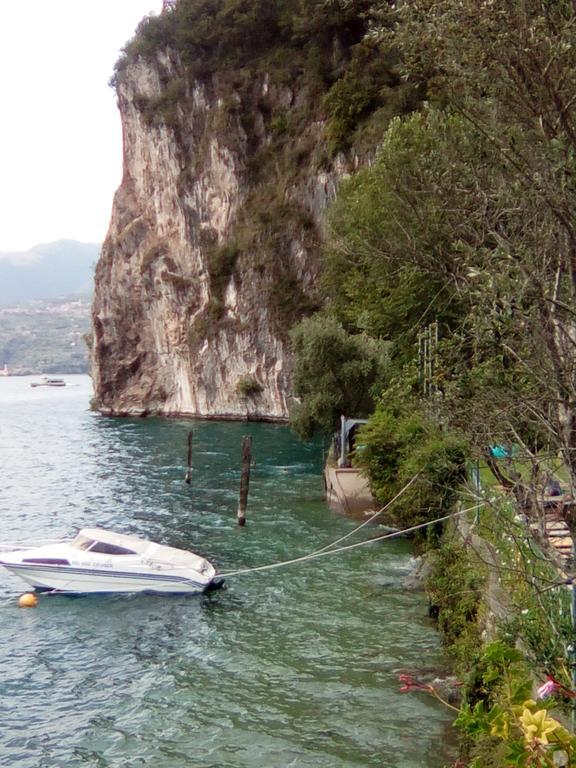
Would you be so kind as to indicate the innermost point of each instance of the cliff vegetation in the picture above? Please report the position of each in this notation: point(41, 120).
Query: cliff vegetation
point(300, 82)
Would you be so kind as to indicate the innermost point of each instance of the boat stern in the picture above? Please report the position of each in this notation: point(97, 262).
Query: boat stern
point(217, 582)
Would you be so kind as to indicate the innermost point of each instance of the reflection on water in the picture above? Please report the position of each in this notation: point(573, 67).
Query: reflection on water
point(294, 667)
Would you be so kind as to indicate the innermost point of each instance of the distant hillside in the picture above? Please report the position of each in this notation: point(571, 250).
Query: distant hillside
point(45, 336)
point(47, 271)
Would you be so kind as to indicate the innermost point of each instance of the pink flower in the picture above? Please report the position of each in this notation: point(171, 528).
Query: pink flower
point(552, 686)
point(548, 688)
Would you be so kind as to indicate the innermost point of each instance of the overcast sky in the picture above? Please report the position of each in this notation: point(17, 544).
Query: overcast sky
point(60, 138)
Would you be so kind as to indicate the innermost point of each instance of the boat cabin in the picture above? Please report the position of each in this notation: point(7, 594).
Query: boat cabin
point(100, 541)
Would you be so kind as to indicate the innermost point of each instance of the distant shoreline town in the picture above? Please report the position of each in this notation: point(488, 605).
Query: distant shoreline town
point(45, 337)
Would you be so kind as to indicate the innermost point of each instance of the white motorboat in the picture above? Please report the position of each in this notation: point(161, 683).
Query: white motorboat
point(47, 382)
point(97, 560)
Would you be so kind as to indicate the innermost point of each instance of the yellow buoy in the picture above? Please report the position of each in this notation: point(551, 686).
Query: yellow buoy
point(28, 600)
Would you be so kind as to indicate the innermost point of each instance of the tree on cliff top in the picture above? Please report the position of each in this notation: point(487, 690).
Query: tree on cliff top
point(211, 35)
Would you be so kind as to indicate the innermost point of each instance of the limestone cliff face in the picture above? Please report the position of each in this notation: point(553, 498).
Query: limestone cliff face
point(212, 250)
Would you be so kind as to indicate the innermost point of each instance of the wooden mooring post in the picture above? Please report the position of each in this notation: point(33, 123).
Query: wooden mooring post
point(188, 477)
point(244, 479)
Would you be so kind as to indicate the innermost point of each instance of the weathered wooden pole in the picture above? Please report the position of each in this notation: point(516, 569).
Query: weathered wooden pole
point(188, 477)
point(244, 479)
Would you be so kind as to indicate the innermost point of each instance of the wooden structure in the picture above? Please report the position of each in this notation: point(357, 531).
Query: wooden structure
point(554, 529)
point(244, 479)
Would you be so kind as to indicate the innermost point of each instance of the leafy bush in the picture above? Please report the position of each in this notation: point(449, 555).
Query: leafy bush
point(454, 589)
point(347, 101)
point(220, 34)
point(369, 82)
point(392, 265)
point(248, 386)
point(400, 444)
point(279, 124)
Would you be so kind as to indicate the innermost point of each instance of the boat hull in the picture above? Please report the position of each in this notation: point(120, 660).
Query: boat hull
point(84, 581)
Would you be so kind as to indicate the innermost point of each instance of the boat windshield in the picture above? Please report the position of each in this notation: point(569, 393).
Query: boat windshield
point(102, 547)
point(82, 542)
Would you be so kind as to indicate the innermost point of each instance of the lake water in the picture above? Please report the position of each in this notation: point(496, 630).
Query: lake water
point(295, 667)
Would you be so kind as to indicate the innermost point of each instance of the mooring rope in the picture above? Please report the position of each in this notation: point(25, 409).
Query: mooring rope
point(326, 553)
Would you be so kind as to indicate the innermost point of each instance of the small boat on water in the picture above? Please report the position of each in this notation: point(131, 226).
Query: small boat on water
point(97, 561)
point(47, 382)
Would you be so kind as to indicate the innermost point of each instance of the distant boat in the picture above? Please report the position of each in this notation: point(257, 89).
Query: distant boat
point(47, 382)
point(4, 371)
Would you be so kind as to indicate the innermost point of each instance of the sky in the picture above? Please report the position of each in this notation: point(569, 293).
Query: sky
point(60, 135)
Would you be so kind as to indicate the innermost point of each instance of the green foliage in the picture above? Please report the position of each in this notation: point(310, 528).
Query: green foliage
point(221, 262)
point(504, 725)
point(496, 673)
point(443, 227)
point(352, 96)
point(267, 228)
point(539, 617)
point(233, 48)
point(369, 83)
point(214, 35)
point(321, 46)
point(392, 262)
point(500, 723)
point(334, 374)
point(454, 589)
point(248, 386)
point(164, 109)
point(509, 71)
point(402, 443)
point(287, 300)
point(279, 124)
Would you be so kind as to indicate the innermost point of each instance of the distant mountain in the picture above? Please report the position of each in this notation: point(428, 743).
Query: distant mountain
point(47, 271)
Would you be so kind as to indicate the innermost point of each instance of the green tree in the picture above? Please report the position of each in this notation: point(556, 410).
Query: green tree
point(508, 69)
point(398, 228)
point(335, 373)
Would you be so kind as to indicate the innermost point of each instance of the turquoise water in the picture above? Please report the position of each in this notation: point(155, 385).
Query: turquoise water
point(294, 667)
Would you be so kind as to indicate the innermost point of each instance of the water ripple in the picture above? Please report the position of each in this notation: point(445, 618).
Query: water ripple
point(285, 668)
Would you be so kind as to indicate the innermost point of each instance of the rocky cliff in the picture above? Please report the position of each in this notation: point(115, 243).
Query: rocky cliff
point(213, 248)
